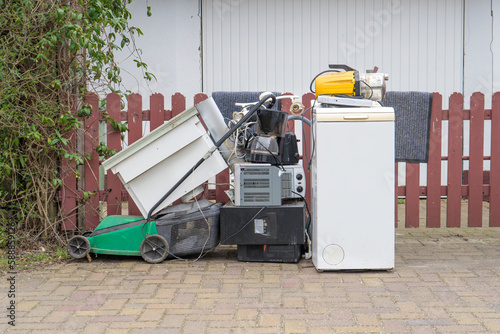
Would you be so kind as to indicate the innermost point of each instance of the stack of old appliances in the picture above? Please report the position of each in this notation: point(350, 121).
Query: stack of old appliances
point(267, 215)
point(265, 218)
point(352, 216)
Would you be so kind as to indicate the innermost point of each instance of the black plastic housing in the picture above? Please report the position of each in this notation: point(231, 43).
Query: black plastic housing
point(289, 154)
point(270, 253)
point(257, 225)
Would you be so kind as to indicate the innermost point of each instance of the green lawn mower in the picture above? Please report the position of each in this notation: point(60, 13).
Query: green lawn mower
point(177, 231)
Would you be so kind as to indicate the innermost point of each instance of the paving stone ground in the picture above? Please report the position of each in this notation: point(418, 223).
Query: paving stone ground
point(445, 281)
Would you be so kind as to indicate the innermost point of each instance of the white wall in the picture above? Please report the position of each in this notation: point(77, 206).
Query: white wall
point(495, 45)
point(479, 50)
point(443, 46)
point(481, 60)
point(281, 45)
point(171, 46)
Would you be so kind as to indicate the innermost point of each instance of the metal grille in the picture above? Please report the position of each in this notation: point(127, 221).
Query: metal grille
point(257, 197)
point(190, 236)
point(256, 183)
point(256, 171)
point(286, 185)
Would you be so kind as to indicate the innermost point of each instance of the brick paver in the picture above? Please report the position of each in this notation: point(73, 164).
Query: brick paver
point(445, 280)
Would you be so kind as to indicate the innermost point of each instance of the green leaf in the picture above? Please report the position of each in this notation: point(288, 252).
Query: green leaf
point(85, 111)
point(124, 42)
point(59, 13)
point(149, 76)
point(56, 84)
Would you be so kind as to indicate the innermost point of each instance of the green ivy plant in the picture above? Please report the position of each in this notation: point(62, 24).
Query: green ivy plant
point(52, 53)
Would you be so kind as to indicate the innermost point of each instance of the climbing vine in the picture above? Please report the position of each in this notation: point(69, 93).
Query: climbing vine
point(52, 53)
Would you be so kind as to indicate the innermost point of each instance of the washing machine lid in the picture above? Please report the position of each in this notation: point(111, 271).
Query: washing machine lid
point(354, 114)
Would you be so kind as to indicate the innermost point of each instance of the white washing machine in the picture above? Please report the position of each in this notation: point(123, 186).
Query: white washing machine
point(353, 188)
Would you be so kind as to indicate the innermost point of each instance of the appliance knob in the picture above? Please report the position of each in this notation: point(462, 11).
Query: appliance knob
point(299, 189)
point(299, 176)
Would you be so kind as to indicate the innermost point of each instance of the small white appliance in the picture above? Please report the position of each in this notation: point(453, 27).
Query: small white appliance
point(265, 184)
point(353, 188)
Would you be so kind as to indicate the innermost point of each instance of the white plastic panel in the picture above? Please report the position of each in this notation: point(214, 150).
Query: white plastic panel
point(151, 166)
point(161, 149)
point(353, 195)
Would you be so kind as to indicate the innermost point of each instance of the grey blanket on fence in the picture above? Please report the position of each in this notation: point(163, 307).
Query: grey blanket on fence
point(413, 116)
point(226, 100)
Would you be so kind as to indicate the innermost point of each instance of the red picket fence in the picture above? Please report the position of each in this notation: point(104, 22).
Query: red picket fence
point(84, 212)
point(480, 185)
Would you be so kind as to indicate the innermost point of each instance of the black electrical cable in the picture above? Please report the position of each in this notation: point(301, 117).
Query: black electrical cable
point(249, 140)
point(243, 227)
point(278, 161)
point(314, 79)
point(203, 192)
point(307, 208)
point(371, 89)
